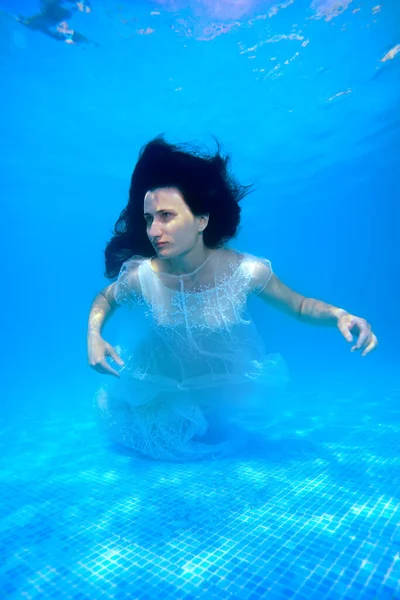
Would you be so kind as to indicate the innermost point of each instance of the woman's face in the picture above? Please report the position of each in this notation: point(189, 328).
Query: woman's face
point(171, 226)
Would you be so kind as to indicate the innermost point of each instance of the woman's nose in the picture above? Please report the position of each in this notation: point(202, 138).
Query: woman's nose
point(155, 230)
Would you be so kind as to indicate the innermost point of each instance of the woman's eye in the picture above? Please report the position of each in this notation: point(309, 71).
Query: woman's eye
point(164, 216)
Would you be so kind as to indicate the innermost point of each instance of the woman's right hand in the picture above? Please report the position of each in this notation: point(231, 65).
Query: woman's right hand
point(98, 350)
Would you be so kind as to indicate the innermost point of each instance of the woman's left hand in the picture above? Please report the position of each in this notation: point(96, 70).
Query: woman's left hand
point(366, 340)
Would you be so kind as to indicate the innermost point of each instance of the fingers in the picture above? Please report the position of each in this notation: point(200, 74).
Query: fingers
point(108, 370)
point(104, 368)
point(371, 346)
point(344, 328)
point(113, 353)
point(367, 345)
point(364, 337)
point(98, 361)
point(366, 340)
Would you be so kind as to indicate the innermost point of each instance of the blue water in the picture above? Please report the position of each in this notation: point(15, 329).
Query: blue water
point(306, 97)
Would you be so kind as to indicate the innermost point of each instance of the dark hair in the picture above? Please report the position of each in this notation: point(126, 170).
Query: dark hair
point(204, 182)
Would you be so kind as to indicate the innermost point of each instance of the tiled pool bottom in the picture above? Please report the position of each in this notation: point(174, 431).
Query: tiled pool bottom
point(313, 513)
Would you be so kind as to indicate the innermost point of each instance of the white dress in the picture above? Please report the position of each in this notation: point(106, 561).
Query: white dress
point(200, 361)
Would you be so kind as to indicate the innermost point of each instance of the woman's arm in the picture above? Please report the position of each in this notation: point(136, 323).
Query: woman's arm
point(102, 308)
point(98, 349)
point(126, 290)
point(317, 312)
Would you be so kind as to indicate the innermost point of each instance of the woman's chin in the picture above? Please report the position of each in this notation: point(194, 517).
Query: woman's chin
point(161, 250)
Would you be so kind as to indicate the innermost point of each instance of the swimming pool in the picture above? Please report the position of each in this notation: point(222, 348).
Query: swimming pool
point(306, 97)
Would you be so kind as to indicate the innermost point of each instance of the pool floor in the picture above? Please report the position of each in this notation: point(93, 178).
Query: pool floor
point(310, 511)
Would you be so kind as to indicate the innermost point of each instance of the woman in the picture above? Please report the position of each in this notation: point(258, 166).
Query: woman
point(200, 360)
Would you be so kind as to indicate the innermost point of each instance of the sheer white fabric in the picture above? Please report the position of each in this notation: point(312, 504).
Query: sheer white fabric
point(200, 359)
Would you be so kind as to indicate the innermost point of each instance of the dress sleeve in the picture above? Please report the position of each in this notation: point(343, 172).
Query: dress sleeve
point(260, 273)
point(127, 288)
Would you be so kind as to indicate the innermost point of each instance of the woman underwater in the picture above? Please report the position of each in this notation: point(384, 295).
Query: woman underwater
point(201, 359)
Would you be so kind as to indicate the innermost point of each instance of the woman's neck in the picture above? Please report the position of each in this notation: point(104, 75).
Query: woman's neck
point(184, 264)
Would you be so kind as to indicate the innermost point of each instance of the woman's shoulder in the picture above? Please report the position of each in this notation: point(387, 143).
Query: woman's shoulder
point(131, 267)
point(127, 286)
point(246, 258)
point(134, 262)
point(256, 270)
